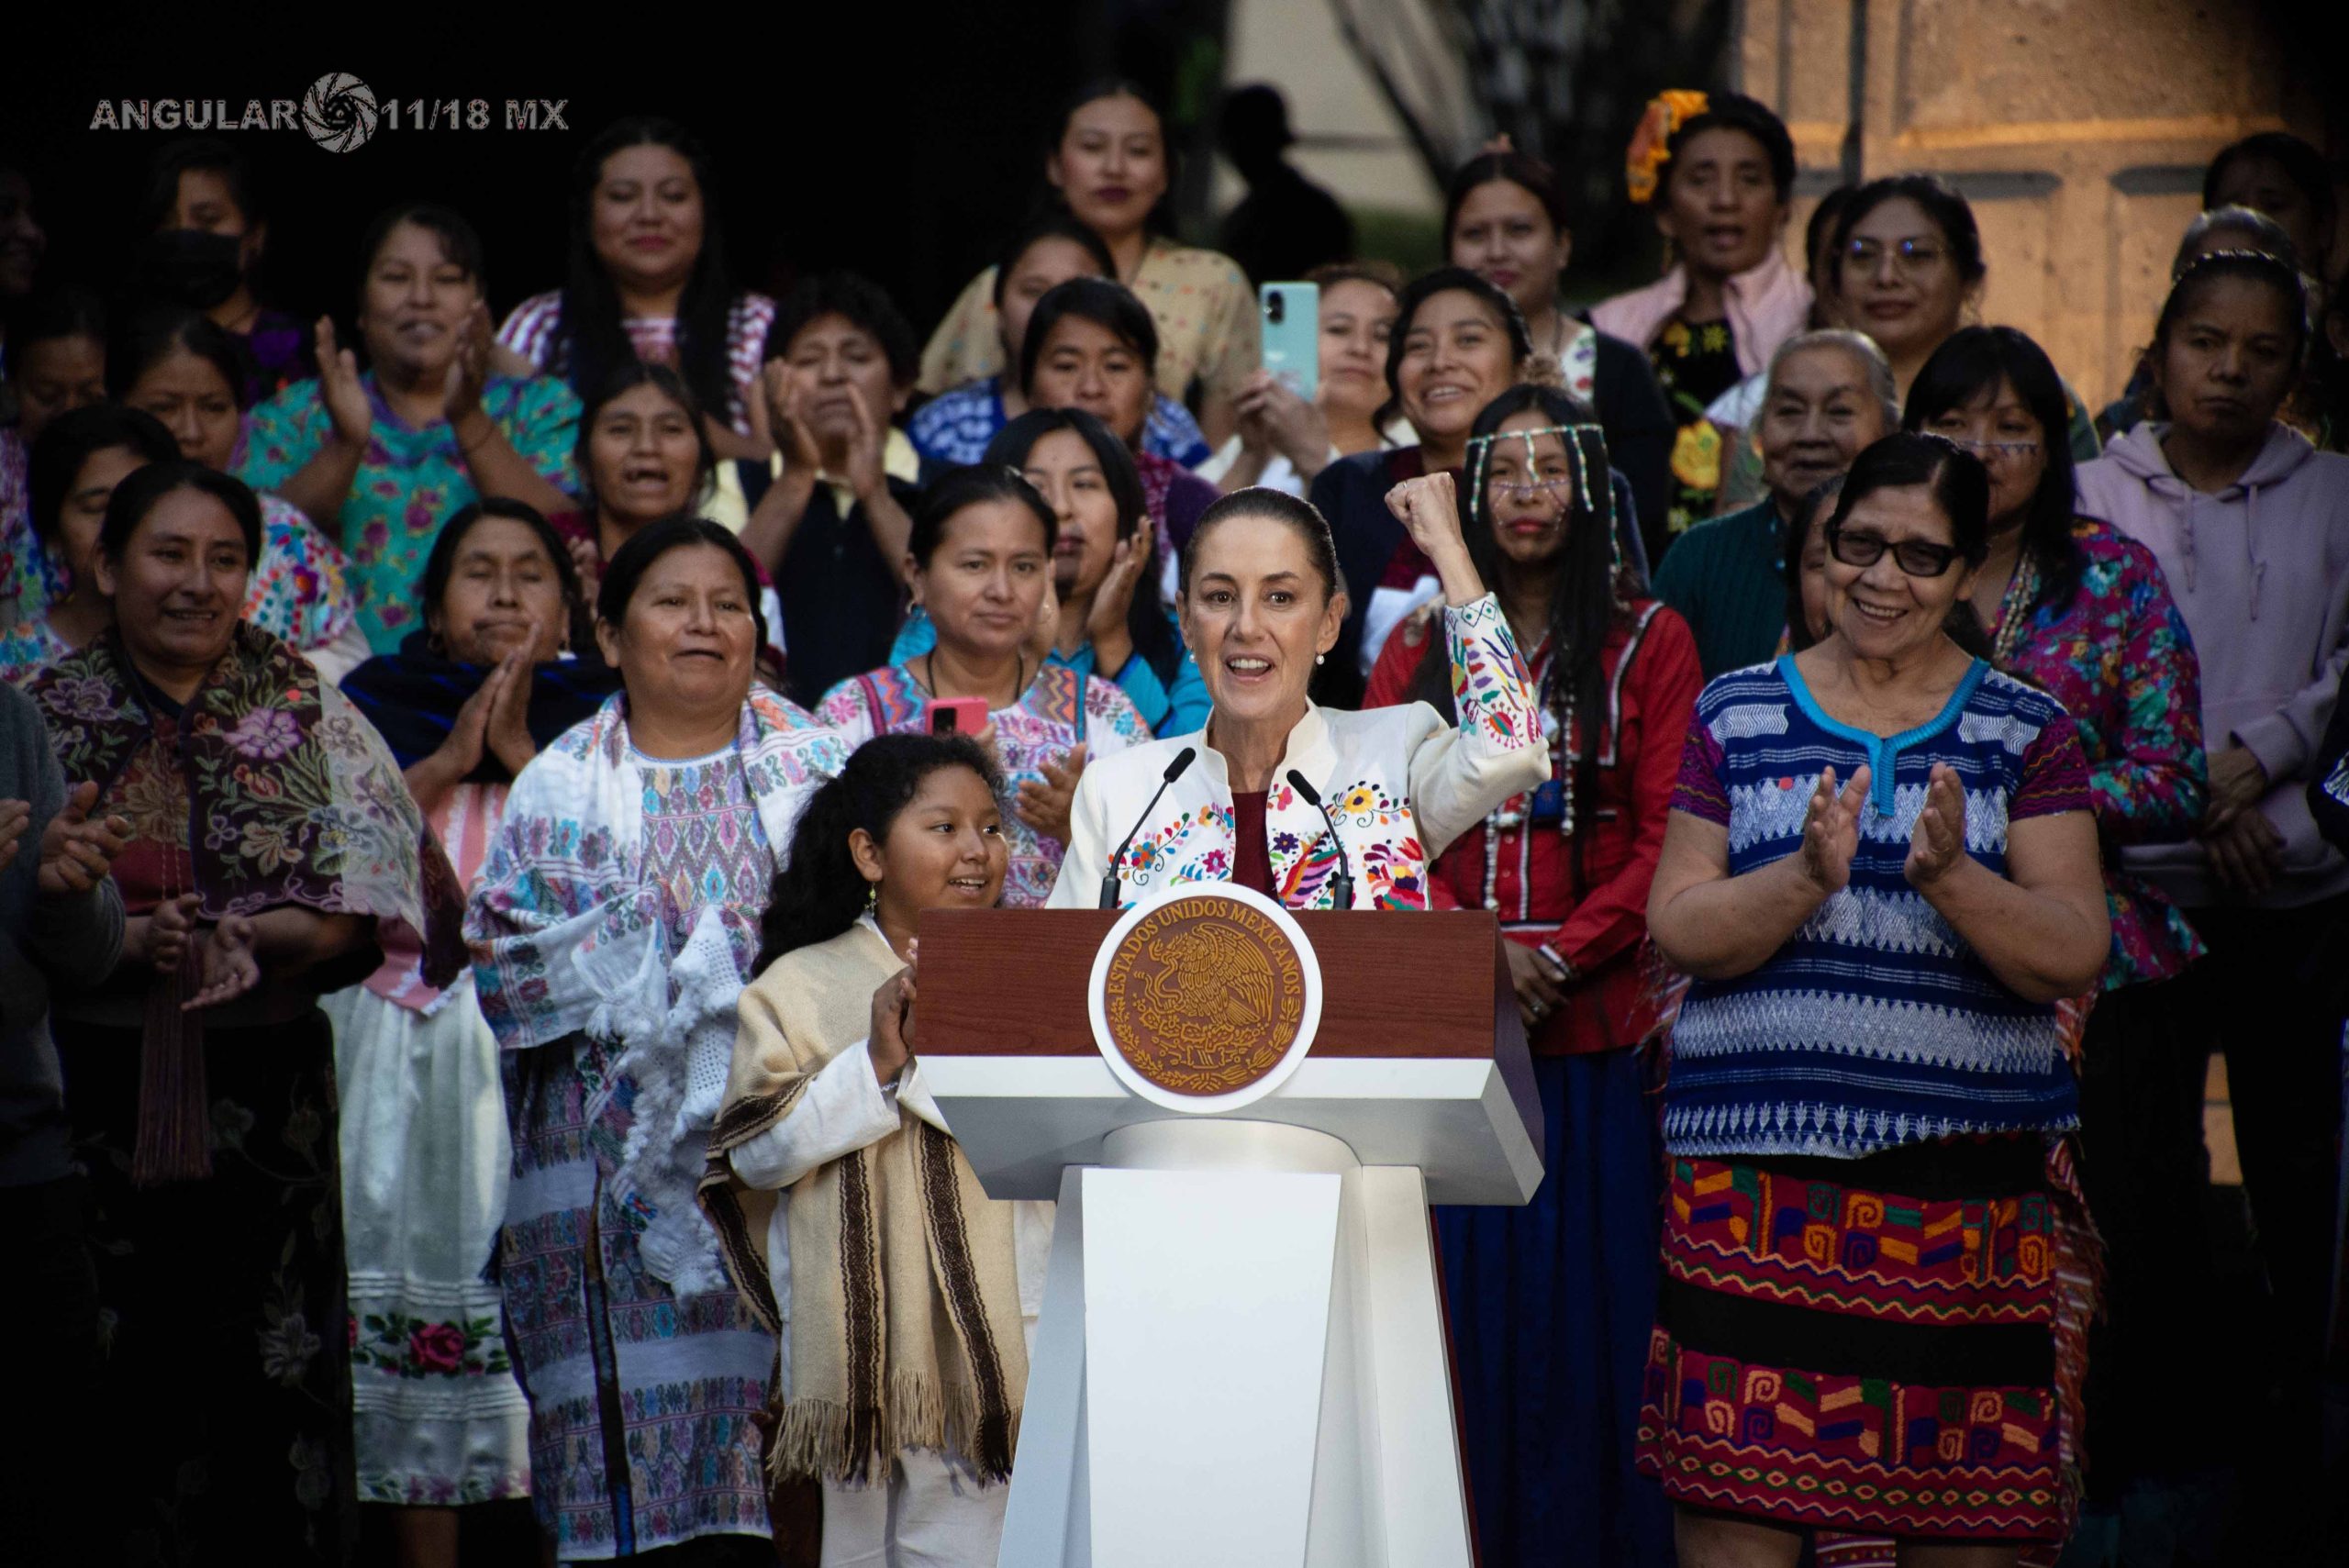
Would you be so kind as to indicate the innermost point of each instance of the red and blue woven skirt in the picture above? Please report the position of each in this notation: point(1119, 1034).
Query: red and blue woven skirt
point(1885, 1346)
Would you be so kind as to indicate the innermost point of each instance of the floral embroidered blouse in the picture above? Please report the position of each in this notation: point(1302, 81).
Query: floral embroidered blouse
point(1574, 884)
point(1400, 782)
point(2120, 660)
point(1061, 706)
point(410, 480)
point(299, 592)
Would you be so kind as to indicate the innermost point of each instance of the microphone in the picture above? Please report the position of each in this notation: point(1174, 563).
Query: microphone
point(1183, 759)
point(1344, 882)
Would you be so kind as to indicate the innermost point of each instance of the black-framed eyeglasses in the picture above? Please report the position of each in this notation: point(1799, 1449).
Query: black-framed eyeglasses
point(1917, 557)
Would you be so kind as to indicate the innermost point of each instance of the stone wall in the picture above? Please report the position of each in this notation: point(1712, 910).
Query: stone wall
point(2078, 129)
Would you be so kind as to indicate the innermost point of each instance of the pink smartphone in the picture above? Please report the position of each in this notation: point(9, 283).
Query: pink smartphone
point(958, 715)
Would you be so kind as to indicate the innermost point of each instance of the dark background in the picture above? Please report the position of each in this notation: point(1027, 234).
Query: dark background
point(904, 142)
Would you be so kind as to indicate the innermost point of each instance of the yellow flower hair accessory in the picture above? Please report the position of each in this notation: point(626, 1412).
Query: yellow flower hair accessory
point(1651, 143)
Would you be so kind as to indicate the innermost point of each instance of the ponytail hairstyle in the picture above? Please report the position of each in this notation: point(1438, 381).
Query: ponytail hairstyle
point(1584, 606)
point(2278, 273)
point(1155, 637)
point(820, 892)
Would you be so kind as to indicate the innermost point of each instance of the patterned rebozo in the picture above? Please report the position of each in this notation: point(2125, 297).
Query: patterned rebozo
point(1876, 1024)
point(292, 797)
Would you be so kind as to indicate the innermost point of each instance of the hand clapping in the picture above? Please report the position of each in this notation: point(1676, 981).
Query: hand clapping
point(1938, 840)
point(1830, 830)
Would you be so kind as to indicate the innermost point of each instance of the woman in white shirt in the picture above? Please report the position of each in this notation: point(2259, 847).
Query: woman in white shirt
point(1262, 604)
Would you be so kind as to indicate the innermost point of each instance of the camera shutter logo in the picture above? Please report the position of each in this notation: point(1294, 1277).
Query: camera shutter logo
point(338, 112)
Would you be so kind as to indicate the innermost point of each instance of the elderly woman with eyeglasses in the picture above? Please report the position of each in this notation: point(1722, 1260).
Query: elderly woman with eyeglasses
point(1880, 871)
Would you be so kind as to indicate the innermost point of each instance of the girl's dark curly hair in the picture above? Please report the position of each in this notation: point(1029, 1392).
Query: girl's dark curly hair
point(819, 893)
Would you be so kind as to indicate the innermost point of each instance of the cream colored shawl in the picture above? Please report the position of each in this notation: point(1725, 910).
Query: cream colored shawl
point(905, 1298)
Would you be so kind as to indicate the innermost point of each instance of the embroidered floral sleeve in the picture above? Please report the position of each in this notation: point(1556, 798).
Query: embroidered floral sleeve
point(1112, 722)
point(300, 589)
point(1492, 691)
point(2151, 780)
point(282, 434)
point(541, 422)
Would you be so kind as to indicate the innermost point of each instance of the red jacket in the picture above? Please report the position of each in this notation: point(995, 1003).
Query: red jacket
point(1593, 915)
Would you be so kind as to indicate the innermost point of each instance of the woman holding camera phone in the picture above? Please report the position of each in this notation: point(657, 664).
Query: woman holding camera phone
point(979, 561)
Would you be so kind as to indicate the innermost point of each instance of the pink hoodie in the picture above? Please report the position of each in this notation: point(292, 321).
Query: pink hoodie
point(1768, 305)
point(2261, 573)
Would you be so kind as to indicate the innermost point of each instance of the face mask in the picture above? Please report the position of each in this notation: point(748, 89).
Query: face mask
point(192, 267)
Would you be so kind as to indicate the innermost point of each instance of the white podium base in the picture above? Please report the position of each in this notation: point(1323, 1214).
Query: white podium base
point(1240, 1363)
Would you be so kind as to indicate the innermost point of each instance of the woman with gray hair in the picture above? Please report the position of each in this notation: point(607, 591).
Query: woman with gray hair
point(1829, 393)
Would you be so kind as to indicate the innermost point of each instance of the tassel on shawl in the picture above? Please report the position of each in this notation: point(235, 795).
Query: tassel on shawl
point(174, 1135)
point(816, 1439)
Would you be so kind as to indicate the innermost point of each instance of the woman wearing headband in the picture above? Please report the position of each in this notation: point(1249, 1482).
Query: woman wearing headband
point(1550, 1303)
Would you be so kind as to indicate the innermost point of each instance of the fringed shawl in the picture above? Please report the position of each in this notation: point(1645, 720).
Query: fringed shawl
point(565, 875)
point(269, 790)
point(904, 1315)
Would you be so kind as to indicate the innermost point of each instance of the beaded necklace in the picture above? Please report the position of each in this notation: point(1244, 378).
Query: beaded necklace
point(2015, 611)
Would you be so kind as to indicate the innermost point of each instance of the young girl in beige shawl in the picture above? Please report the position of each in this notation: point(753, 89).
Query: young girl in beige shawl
point(849, 1215)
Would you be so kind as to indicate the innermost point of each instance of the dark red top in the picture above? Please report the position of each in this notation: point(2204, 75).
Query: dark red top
point(1251, 852)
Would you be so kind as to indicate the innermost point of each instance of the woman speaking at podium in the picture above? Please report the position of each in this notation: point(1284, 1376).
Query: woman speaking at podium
point(1317, 809)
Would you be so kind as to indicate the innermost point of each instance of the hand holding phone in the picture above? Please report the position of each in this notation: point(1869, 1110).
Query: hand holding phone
point(1292, 335)
point(958, 715)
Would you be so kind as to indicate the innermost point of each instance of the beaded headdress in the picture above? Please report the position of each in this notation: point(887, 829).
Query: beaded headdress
point(1577, 437)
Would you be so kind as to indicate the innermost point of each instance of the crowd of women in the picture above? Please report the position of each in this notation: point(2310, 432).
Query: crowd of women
point(469, 792)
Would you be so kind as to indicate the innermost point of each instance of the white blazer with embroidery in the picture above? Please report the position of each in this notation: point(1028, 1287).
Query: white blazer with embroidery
point(1400, 782)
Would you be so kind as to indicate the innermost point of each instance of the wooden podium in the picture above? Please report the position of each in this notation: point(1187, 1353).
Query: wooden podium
point(1241, 1358)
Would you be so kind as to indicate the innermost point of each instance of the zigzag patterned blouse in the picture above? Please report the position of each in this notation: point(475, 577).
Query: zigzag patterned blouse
point(1876, 1024)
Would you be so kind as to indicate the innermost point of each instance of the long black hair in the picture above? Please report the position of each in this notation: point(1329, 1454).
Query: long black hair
point(441, 563)
point(590, 341)
point(820, 892)
point(1967, 369)
point(1153, 635)
point(1583, 605)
